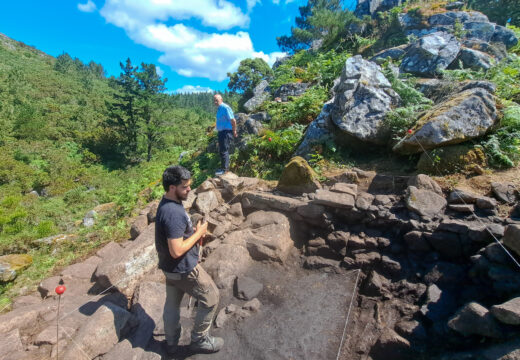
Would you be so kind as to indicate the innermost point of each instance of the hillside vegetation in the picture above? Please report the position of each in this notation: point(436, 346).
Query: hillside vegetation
point(63, 152)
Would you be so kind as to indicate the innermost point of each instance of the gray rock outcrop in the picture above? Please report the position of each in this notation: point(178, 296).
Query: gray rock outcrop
point(363, 96)
point(430, 54)
point(290, 89)
point(460, 118)
point(260, 95)
point(372, 7)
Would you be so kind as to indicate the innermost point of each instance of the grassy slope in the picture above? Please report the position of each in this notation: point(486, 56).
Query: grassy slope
point(48, 118)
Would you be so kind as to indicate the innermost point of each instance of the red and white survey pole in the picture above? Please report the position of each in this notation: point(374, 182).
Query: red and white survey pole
point(60, 289)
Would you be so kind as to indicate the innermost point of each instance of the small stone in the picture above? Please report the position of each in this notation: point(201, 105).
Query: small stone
point(462, 208)
point(459, 196)
point(247, 288)
point(317, 262)
point(221, 318)
point(485, 202)
point(253, 305)
point(504, 192)
point(231, 308)
point(138, 226)
point(345, 188)
point(512, 238)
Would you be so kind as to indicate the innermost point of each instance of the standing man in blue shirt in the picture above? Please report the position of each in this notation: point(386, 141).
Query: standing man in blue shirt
point(227, 129)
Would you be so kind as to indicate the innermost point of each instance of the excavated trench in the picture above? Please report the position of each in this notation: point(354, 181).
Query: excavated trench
point(303, 315)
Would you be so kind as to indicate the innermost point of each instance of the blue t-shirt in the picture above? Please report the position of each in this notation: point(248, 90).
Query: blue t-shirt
point(224, 116)
point(172, 222)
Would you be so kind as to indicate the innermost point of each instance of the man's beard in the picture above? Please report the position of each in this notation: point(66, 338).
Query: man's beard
point(181, 196)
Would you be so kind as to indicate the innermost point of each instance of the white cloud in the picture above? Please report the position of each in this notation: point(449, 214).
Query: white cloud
point(88, 7)
point(251, 4)
point(129, 14)
point(159, 71)
point(186, 50)
point(190, 89)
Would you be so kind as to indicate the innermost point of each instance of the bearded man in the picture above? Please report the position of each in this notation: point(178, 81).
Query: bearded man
point(177, 245)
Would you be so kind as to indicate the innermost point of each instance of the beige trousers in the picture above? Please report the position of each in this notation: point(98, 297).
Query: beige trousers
point(198, 284)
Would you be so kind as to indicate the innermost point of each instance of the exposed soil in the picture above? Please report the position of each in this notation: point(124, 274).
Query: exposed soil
point(303, 315)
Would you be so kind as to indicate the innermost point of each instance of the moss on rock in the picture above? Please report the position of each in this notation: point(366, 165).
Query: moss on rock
point(298, 177)
point(451, 159)
point(12, 265)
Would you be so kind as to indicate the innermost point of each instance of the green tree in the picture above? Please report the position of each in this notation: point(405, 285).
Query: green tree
point(317, 19)
point(151, 110)
point(124, 111)
point(499, 11)
point(249, 74)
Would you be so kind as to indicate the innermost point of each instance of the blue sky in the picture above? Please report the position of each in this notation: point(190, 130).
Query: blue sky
point(193, 42)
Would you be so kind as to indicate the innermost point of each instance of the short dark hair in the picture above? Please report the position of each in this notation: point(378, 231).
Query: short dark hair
point(174, 175)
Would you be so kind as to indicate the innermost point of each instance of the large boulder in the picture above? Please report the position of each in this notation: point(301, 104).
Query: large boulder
point(363, 96)
point(291, 89)
point(504, 192)
point(481, 30)
point(425, 182)
point(207, 201)
point(267, 236)
point(474, 319)
point(147, 307)
point(99, 334)
point(461, 158)
point(248, 125)
point(430, 54)
point(508, 312)
point(12, 265)
point(124, 270)
point(260, 95)
point(505, 36)
point(226, 262)
point(463, 117)
point(425, 202)
point(298, 177)
point(319, 132)
point(474, 59)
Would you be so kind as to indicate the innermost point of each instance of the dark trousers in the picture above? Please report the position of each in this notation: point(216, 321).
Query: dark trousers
point(224, 141)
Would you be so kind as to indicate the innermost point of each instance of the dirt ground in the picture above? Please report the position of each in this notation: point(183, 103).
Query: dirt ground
point(303, 316)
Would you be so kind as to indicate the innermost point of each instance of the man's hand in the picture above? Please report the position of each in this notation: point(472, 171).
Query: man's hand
point(235, 133)
point(202, 228)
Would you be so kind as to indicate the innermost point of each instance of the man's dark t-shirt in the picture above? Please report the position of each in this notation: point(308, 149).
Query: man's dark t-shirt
point(172, 222)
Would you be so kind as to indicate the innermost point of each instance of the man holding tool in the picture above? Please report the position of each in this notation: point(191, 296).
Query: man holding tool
point(227, 129)
point(177, 245)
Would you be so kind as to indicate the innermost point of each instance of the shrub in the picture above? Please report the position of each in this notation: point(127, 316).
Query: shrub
point(503, 147)
point(320, 69)
point(301, 110)
point(413, 103)
point(265, 156)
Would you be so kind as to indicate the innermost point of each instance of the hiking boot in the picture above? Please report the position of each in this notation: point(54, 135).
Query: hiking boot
point(220, 172)
point(207, 344)
point(171, 349)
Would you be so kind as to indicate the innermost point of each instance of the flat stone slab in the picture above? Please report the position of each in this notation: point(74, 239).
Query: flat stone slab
point(334, 199)
point(266, 201)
